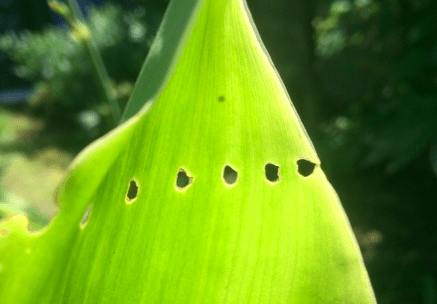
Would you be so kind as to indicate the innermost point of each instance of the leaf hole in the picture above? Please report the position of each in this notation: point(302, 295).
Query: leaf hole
point(132, 192)
point(272, 172)
point(305, 167)
point(230, 175)
point(183, 180)
point(86, 217)
point(221, 98)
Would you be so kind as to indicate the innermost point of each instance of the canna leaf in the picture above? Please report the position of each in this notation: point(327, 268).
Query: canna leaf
point(212, 193)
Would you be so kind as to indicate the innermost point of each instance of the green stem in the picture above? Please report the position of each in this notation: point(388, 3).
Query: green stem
point(99, 68)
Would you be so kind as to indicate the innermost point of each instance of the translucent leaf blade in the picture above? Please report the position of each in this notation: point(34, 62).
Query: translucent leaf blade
point(168, 224)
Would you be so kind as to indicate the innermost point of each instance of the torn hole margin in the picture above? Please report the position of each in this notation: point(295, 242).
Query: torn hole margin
point(133, 191)
point(272, 172)
point(305, 167)
point(86, 217)
point(230, 175)
point(183, 180)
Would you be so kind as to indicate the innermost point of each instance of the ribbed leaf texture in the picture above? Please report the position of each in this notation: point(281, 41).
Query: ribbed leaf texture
point(201, 197)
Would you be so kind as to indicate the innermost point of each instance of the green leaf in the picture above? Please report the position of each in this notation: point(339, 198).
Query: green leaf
point(213, 193)
point(166, 49)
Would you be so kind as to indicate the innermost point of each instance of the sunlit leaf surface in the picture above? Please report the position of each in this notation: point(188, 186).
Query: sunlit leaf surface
point(212, 194)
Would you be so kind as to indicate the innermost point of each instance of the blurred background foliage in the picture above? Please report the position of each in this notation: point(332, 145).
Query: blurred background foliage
point(361, 73)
